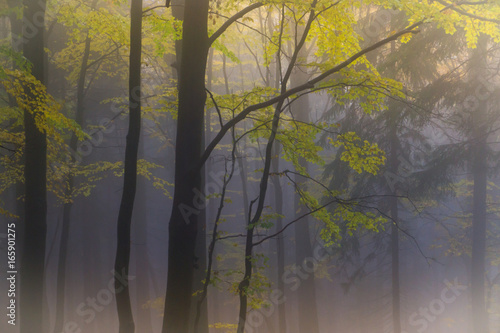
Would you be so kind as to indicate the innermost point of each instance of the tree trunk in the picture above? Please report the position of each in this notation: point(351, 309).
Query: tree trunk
point(63, 247)
point(35, 174)
point(16, 25)
point(199, 306)
point(393, 211)
point(307, 306)
point(122, 260)
point(479, 220)
point(16, 30)
point(306, 293)
point(143, 269)
point(280, 244)
point(188, 200)
point(244, 284)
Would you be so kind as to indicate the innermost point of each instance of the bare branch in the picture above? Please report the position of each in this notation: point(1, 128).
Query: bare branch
point(231, 20)
point(8, 149)
point(463, 12)
point(216, 107)
point(294, 221)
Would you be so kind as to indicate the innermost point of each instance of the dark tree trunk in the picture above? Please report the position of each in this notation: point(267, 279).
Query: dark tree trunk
point(122, 260)
point(16, 29)
point(35, 173)
point(244, 284)
point(199, 305)
point(188, 200)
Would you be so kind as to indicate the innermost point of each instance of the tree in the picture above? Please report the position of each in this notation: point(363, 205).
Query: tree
point(82, 41)
point(183, 224)
point(187, 198)
point(122, 260)
point(479, 168)
point(73, 145)
point(35, 174)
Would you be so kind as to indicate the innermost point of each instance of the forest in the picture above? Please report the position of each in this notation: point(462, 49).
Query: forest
point(274, 166)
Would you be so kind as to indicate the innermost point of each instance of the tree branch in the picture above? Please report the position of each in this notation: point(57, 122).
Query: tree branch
point(463, 12)
point(216, 106)
point(308, 85)
point(231, 20)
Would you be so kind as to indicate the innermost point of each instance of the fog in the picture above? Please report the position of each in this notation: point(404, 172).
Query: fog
point(325, 167)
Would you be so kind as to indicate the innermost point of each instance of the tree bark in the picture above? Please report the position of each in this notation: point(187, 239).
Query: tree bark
point(183, 225)
point(199, 304)
point(35, 173)
point(122, 260)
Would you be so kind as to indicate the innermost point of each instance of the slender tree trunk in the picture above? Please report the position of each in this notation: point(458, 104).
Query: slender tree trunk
point(307, 305)
point(224, 74)
point(306, 293)
point(210, 77)
point(188, 200)
point(35, 174)
point(16, 29)
point(244, 183)
point(244, 284)
point(396, 294)
point(63, 247)
point(122, 260)
point(479, 217)
point(280, 244)
point(393, 213)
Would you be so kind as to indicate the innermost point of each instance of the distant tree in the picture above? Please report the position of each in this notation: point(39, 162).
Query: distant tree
point(480, 129)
